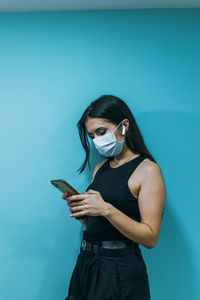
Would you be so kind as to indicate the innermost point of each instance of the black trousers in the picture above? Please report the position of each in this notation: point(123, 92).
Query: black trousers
point(105, 277)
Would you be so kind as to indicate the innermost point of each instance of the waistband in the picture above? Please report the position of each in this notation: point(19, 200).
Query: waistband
point(109, 248)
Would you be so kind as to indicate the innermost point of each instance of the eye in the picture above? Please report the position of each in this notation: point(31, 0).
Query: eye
point(103, 132)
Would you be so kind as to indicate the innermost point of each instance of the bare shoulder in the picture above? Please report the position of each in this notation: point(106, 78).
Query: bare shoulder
point(96, 168)
point(146, 169)
point(150, 168)
point(152, 182)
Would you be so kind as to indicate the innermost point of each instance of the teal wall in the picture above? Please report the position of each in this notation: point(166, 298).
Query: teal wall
point(52, 65)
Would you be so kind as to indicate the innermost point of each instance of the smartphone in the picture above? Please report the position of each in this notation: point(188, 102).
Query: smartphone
point(64, 186)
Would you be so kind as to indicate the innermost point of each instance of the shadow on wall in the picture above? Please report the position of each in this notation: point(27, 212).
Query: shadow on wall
point(171, 266)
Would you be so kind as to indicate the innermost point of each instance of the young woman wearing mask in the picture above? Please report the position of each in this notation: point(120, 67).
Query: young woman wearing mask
point(121, 208)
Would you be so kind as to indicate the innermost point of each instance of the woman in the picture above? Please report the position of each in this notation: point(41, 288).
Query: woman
point(121, 208)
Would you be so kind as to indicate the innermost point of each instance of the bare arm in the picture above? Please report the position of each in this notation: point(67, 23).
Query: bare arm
point(151, 201)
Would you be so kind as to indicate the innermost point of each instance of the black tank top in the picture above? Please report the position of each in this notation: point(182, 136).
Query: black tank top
point(112, 183)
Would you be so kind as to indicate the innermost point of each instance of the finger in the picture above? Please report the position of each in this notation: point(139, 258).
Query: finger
point(65, 195)
point(77, 208)
point(78, 214)
point(76, 197)
point(76, 203)
point(92, 191)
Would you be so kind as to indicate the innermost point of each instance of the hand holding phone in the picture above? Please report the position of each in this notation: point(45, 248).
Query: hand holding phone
point(64, 187)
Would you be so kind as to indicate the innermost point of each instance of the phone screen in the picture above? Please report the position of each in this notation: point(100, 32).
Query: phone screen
point(64, 186)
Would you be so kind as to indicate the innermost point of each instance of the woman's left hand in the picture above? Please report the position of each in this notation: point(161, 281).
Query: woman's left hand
point(90, 203)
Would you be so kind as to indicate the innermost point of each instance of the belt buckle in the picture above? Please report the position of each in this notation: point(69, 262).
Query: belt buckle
point(83, 245)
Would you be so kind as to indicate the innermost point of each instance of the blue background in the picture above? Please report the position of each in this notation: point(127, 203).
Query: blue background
point(52, 65)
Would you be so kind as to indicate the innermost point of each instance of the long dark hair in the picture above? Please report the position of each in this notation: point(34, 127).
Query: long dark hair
point(114, 110)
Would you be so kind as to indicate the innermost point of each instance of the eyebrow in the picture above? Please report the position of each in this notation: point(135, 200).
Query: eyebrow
point(98, 129)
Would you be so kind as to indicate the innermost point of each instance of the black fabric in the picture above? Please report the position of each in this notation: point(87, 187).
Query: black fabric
point(113, 274)
point(106, 249)
point(116, 277)
point(112, 183)
point(117, 244)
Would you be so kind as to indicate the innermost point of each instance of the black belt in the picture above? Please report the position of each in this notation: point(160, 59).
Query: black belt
point(109, 248)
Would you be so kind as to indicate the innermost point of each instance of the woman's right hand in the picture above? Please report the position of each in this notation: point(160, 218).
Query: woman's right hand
point(83, 220)
point(65, 195)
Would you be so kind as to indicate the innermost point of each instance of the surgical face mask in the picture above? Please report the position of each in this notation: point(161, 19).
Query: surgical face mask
point(107, 144)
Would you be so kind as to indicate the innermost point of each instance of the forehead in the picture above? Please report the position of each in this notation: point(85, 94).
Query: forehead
point(94, 123)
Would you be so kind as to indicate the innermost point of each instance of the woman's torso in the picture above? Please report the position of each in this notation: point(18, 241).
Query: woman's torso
point(112, 183)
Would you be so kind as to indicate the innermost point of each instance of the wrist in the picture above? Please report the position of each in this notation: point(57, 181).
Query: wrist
point(107, 210)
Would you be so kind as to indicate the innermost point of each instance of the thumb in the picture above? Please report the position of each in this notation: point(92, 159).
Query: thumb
point(91, 191)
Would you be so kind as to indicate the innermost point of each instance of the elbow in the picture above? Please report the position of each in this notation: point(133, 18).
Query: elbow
point(151, 243)
point(151, 238)
point(150, 246)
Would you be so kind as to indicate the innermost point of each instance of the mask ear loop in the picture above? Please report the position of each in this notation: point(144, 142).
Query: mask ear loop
point(117, 126)
point(123, 130)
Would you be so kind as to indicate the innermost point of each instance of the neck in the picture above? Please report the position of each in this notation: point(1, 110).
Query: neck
point(124, 156)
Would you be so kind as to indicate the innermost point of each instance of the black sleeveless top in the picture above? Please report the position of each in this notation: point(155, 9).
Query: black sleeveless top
point(112, 183)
